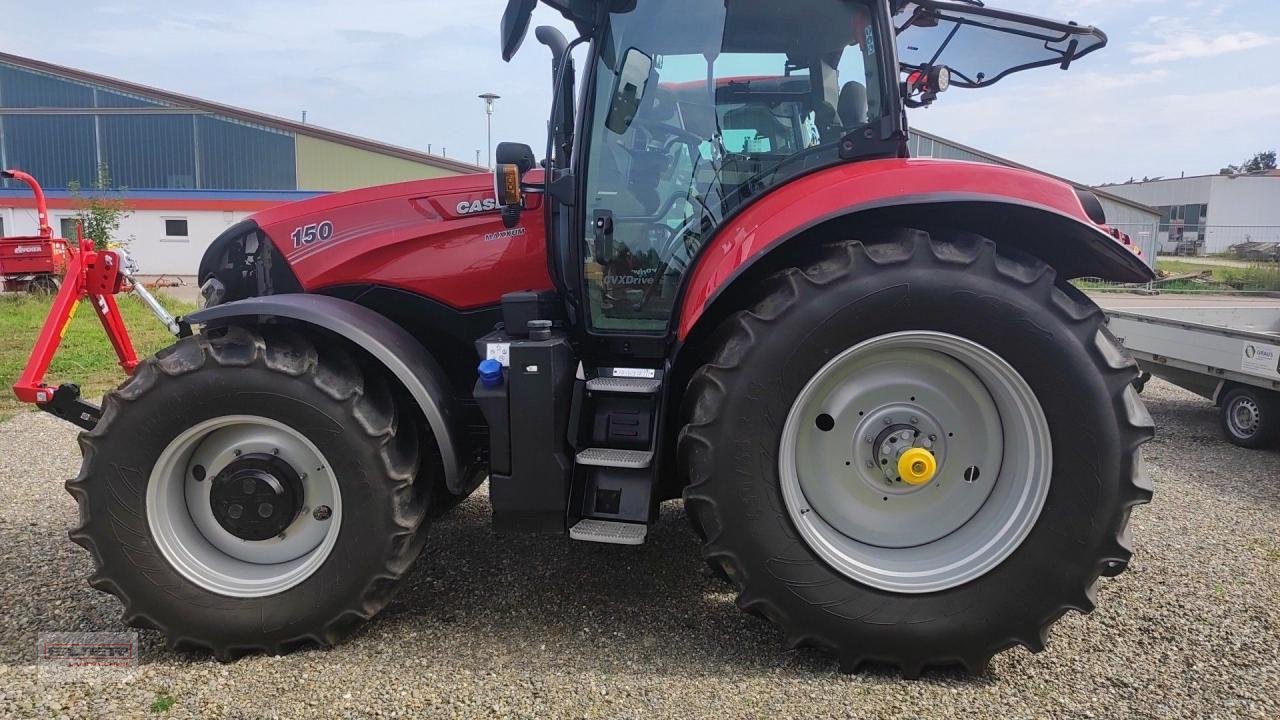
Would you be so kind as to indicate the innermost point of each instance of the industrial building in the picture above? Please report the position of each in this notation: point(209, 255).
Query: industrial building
point(1210, 213)
point(192, 167)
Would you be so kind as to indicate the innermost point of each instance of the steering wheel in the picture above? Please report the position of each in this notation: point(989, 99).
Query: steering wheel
point(656, 127)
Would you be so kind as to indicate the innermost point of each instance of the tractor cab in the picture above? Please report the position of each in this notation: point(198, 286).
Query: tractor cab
point(691, 112)
point(692, 109)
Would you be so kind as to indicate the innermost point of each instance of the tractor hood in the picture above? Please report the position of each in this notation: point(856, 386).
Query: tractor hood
point(983, 45)
point(437, 238)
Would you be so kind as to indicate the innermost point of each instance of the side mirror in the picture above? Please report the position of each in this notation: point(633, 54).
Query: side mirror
point(515, 25)
point(629, 90)
point(512, 161)
point(518, 154)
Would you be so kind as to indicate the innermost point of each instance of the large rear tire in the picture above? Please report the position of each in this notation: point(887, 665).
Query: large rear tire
point(945, 344)
point(183, 536)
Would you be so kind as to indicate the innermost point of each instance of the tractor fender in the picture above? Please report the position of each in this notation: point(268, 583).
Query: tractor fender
point(1040, 215)
point(398, 351)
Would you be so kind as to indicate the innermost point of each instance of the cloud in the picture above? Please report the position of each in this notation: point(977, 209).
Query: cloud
point(1183, 45)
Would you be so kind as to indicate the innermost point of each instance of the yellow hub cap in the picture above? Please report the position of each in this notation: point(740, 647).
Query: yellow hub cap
point(917, 466)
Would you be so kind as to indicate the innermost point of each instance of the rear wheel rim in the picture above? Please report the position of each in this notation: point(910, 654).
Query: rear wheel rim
point(185, 525)
point(1243, 417)
point(938, 392)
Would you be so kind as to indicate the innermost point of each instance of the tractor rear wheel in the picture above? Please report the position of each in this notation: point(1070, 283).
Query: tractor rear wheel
point(251, 491)
point(917, 451)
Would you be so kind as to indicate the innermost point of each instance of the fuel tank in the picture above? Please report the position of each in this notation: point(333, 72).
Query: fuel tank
point(441, 238)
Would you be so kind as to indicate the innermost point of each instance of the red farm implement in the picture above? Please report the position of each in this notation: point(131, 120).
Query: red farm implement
point(87, 274)
point(33, 262)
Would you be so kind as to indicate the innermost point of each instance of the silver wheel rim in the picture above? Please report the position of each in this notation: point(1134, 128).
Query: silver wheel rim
point(187, 534)
point(1243, 417)
point(939, 392)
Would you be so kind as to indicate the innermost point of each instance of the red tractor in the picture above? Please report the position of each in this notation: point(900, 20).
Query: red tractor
point(898, 430)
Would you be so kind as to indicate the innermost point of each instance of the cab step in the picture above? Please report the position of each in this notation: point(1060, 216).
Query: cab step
point(610, 457)
point(629, 386)
point(608, 531)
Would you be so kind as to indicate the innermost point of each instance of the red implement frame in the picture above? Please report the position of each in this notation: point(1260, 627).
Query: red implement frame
point(94, 275)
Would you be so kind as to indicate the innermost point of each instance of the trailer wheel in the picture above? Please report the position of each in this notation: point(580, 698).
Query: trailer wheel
point(917, 451)
point(250, 491)
point(45, 285)
point(1251, 417)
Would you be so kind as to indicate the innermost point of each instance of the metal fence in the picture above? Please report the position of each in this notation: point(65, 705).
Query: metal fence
point(1202, 240)
point(1214, 275)
point(1145, 235)
point(1211, 259)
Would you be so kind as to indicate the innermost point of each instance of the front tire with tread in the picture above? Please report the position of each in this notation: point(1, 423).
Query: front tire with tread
point(318, 389)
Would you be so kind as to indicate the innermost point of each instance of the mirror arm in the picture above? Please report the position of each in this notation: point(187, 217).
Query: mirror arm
point(562, 188)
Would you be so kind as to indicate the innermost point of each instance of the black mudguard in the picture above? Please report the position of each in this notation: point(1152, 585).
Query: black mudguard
point(388, 343)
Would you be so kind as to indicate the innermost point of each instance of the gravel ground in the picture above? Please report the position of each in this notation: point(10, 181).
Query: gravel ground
point(551, 628)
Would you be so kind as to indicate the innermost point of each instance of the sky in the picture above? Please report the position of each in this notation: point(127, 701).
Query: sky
point(1184, 86)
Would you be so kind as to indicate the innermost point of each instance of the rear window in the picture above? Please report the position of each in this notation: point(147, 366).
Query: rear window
point(983, 45)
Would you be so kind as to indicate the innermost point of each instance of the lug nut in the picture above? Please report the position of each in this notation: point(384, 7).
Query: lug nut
point(235, 511)
point(322, 513)
point(265, 510)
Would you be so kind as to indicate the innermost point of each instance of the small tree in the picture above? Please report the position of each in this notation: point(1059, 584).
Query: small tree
point(1261, 162)
point(101, 212)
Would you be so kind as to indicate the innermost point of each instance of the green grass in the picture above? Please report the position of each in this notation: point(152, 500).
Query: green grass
point(86, 356)
point(1263, 277)
point(163, 702)
point(1254, 277)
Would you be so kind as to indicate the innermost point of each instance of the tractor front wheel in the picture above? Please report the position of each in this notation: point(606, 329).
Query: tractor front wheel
point(916, 451)
point(250, 491)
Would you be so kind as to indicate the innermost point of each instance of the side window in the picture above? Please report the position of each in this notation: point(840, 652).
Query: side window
point(854, 106)
point(67, 227)
point(175, 228)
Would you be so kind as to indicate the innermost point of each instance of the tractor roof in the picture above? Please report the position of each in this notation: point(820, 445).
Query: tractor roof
point(980, 45)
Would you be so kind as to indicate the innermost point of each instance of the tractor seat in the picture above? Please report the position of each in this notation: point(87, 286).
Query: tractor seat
point(852, 105)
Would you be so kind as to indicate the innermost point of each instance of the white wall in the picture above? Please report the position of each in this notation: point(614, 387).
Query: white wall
point(1245, 201)
point(1241, 208)
point(144, 231)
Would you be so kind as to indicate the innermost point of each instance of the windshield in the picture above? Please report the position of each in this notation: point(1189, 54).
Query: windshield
point(982, 45)
point(699, 106)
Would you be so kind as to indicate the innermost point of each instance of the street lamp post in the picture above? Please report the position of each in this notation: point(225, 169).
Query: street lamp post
point(488, 99)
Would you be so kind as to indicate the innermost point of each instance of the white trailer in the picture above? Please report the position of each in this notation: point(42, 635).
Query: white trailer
point(1230, 355)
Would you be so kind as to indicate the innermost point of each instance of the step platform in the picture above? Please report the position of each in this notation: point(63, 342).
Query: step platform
point(622, 385)
point(609, 457)
point(608, 531)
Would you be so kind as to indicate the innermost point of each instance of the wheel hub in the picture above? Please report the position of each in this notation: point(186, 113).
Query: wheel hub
point(917, 466)
point(1245, 417)
point(256, 497)
point(915, 461)
point(244, 506)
